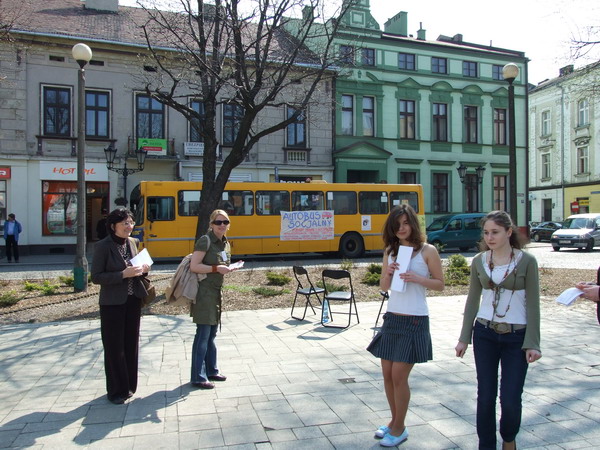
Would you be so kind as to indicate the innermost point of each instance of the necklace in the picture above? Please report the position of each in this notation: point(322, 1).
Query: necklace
point(496, 287)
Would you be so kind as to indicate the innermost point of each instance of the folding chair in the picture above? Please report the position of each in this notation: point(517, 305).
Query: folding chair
point(337, 296)
point(307, 289)
point(384, 296)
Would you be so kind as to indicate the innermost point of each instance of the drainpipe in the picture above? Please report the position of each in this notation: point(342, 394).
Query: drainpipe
point(562, 148)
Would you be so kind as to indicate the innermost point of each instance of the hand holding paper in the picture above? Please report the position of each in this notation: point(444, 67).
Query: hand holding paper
point(568, 296)
point(236, 265)
point(403, 260)
point(142, 258)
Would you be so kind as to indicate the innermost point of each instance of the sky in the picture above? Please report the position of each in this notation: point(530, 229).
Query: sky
point(543, 29)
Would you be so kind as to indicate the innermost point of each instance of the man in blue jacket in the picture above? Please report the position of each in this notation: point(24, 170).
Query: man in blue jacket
point(12, 228)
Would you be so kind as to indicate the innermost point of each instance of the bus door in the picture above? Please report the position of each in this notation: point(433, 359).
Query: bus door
point(161, 235)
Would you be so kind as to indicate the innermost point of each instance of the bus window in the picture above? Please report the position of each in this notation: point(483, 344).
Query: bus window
point(373, 202)
point(161, 208)
point(188, 203)
point(237, 203)
point(307, 201)
point(402, 198)
point(341, 202)
point(271, 203)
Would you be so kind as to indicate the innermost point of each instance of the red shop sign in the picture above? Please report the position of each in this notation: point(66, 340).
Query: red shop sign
point(4, 173)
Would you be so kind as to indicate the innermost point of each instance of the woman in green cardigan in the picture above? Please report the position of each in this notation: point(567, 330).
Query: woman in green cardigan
point(502, 315)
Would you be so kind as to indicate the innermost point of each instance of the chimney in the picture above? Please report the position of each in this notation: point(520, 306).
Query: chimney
point(102, 5)
point(397, 24)
point(421, 32)
point(308, 13)
point(564, 71)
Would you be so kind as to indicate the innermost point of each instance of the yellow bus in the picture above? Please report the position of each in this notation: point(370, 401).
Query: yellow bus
point(272, 218)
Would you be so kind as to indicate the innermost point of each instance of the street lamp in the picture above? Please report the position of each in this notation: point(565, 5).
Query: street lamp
point(510, 72)
point(82, 54)
point(462, 173)
point(110, 152)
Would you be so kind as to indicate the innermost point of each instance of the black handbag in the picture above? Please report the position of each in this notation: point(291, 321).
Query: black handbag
point(150, 291)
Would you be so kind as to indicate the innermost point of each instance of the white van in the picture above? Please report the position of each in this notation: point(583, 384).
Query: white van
point(580, 231)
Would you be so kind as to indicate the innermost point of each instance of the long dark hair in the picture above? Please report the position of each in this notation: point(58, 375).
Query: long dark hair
point(117, 216)
point(392, 224)
point(502, 219)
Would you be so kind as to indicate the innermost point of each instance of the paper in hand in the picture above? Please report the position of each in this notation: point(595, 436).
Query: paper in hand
point(403, 260)
point(568, 296)
point(142, 258)
point(236, 265)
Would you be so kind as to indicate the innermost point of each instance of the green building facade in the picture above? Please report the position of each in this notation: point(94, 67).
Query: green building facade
point(411, 110)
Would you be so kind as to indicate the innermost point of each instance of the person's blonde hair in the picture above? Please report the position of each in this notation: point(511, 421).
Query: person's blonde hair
point(213, 216)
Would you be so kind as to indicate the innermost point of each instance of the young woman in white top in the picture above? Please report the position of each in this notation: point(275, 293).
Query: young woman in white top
point(404, 339)
point(502, 314)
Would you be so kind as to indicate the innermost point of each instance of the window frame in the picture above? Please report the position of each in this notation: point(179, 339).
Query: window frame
point(195, 135)
point(407, 119)
point(583, 112)
point(440, 191)
point(95, 111)
point(154, 116)
point(346, 54)
point(436, 67)
point(582, 155)
point(368, 56)
point(470, 69)
point(497, 72)
point(440, 122)
point(232, 114)
point(368, 116)
point(500, 126)
point(546, 123)
point(471, 124)
point(500, 192)
point(295, 132)
point(546, 168)
point(407, 61)
point(62, 109)
point(347, 112)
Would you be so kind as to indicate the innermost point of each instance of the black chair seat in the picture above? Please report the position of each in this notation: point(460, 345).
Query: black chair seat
point(331, 296)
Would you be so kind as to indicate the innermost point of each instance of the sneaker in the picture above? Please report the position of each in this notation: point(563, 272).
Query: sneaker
point(392, 441)
point(381, 432)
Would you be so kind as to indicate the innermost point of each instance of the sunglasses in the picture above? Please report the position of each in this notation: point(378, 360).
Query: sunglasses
point(220, 222)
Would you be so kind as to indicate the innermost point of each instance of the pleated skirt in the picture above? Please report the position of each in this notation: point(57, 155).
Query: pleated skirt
point(403, 339)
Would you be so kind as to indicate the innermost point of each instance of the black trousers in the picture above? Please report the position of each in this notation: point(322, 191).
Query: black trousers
point(120, 329)
point(12, 247)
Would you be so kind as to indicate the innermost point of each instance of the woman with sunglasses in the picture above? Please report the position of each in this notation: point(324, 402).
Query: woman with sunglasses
point(121, 291)
point(212, 256)
point(502, 314)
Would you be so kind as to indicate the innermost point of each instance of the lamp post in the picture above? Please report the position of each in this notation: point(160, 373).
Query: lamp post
point(82, 54)
point(110, 152)
point(462, 173)
point(510, 72)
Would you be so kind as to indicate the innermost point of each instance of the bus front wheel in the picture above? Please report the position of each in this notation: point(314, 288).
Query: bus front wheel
point(352, 246)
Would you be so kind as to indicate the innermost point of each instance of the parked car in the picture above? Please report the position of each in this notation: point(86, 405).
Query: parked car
point(543, 231)
point(580, 231)
point(462, 231)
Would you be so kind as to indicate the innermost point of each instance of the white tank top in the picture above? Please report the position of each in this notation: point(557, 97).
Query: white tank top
point(412, 301)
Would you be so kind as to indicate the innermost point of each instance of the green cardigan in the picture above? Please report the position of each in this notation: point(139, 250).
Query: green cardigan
point(527, 277)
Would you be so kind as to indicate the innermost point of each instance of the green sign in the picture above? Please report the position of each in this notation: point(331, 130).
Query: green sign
point(153, 146)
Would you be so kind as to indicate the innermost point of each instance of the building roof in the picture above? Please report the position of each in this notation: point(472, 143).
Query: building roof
point(566, 73)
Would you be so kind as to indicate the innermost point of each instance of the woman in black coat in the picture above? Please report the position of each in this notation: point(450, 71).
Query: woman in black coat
point(121, 291)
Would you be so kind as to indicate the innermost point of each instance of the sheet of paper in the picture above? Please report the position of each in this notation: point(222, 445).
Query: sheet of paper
point(142, 258)
point(568, 296)
point(403, 260)
point(236, 265)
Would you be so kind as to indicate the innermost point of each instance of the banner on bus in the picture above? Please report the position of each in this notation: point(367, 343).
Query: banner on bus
point(306, 225)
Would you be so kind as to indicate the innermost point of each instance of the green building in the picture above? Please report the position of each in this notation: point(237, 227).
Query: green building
point(412, 110)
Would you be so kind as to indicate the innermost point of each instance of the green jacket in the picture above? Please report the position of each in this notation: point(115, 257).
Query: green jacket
point(207, 309)
point(527, 277)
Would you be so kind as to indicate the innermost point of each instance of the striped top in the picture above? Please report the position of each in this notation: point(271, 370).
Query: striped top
point(412, 301)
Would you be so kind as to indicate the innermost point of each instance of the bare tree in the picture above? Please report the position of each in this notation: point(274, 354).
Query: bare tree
point(245, 55)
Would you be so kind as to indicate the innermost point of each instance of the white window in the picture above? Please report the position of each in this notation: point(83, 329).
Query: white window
point(583, 112)
point(347, 115)
point(582, 159)
point(546, 166)
point(546, 123)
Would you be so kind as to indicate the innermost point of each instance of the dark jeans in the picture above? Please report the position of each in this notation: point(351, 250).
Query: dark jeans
point(204, 353)
point(491, 349)
point(120, 328)
point(12, 247)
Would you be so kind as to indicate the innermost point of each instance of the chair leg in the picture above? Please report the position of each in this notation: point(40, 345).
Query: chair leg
point(306, 305)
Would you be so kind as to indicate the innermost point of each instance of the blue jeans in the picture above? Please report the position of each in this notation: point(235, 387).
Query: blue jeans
point(490, 349)
point(204, 353)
